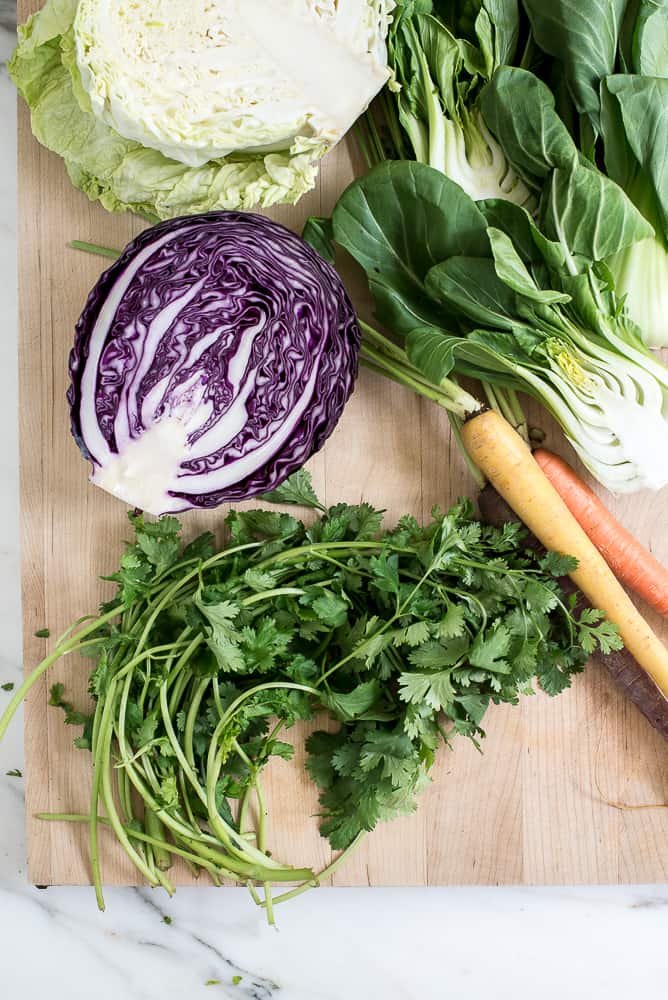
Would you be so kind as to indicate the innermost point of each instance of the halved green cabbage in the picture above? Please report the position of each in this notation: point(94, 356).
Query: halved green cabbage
point(74, 115)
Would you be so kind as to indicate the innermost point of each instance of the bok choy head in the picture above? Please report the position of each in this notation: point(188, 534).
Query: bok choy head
point(613, 60)
point(484, 290)
point(441, 54)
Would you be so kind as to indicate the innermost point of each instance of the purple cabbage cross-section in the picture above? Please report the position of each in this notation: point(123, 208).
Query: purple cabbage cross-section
point(233, 327)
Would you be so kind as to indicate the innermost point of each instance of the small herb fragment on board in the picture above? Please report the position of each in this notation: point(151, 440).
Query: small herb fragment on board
point(72, 716)
point(42, 633)
point(15, 773)
point(9, 686)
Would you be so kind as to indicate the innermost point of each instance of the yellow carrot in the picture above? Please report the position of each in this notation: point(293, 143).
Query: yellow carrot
point(507, 463)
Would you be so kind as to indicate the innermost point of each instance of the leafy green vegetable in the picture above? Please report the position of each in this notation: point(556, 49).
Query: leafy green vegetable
point(297, 489)
point(483, 290)
point(440, 61)
point(403, 636)
point(614, 59)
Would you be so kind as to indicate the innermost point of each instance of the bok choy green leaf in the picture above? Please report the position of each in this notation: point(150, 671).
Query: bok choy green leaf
point(485, 290)
point(614, 59)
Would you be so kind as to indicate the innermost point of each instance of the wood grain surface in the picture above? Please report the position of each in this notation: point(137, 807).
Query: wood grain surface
point(569, 790)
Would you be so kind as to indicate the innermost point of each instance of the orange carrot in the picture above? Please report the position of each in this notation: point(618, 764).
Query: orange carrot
point(632, 564)
point(504, 457)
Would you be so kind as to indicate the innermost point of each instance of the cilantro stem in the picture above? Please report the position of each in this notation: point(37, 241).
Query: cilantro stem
point(254, 893)
point(186, 799)
point(187, 770)
point(194, 859)
point(243, 810)
point(107, 791)
point(321, 549)
point(237, 862)
point(267, 595)
point(94, 249)
point(156, 830)
point(325, 873)
point(72, 646)
point(261, 843)
point(191, 718)
point(215, 759)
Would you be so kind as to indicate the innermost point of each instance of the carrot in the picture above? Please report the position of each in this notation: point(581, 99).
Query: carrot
point(505, 459)
point(637, 685)
point(631, 563)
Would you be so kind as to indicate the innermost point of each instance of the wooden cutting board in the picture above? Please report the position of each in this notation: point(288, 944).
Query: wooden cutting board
point(569, 790)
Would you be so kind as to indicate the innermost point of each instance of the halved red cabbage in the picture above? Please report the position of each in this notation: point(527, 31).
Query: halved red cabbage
point(210, 361)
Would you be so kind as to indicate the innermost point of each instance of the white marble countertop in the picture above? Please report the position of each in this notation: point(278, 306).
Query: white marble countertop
point(395, 944)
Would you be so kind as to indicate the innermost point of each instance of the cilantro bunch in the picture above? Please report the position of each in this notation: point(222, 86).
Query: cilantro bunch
point(207, 655)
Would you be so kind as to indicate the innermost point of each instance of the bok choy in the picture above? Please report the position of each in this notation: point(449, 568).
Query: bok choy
point(440, 59)
point(484, 290)
point(614, 59)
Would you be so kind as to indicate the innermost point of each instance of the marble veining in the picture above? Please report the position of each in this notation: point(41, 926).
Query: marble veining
point(581, 943)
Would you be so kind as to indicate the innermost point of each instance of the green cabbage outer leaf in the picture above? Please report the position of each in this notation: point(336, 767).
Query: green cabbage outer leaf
point(123, 174)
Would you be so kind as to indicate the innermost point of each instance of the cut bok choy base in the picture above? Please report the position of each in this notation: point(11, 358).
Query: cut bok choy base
point(207, 655)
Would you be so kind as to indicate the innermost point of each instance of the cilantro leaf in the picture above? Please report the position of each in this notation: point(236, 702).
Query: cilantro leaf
point(558, 564)
point(260, 580)
point(475, 706)
point(434, 688)
point(330, 609)
point(160, 552)
point(488, 652)
point(437, 655)
point(414, 635)
point(385, 569)
point(297, 489)
point(393, 753)
point(356, 703)
point(452, 625)
point(262, 644)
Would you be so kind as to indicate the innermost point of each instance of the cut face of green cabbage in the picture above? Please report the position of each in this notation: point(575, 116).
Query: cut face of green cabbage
point(92, 104)
point(198, 81)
